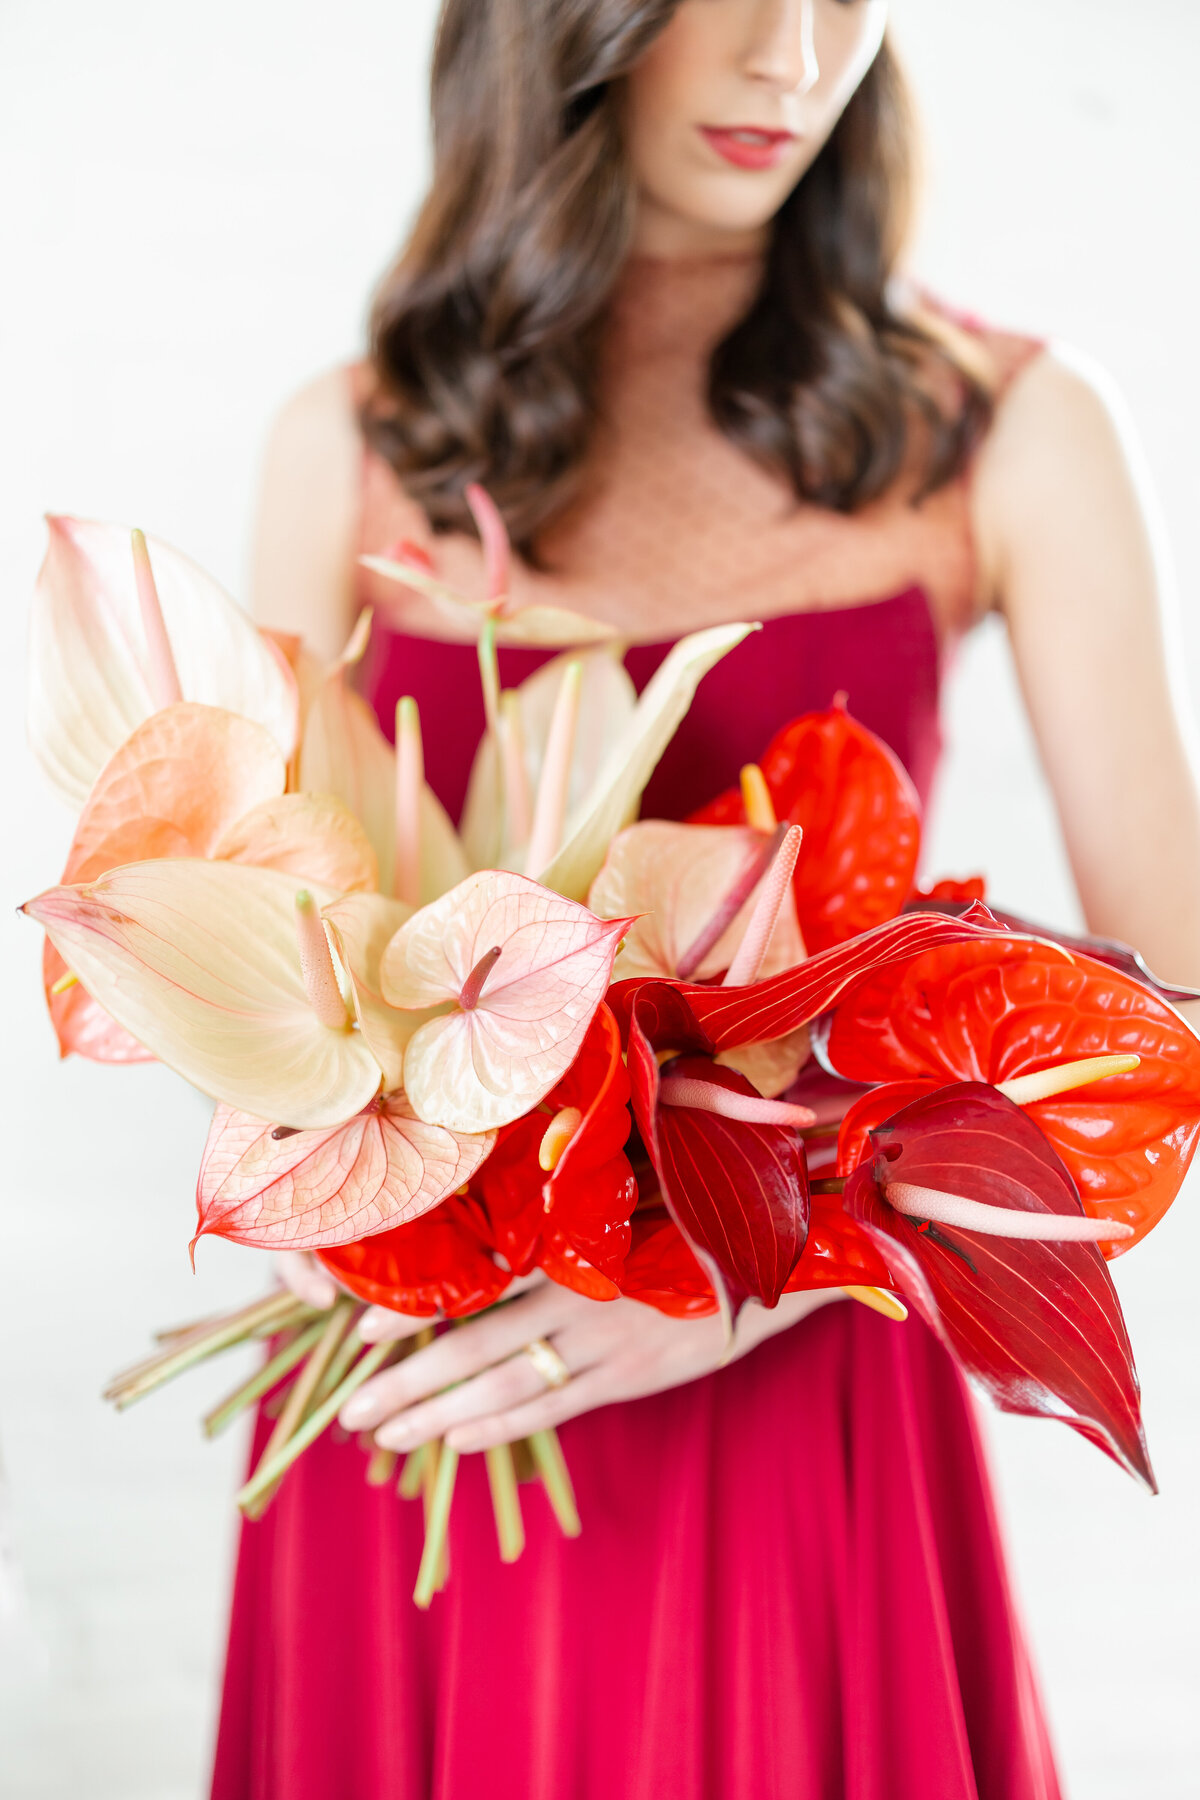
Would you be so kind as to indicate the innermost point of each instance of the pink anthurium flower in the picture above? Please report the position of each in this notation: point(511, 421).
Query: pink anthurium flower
point(519, 972)
point(541, 627)
point(305, 1190)
point(224, 973)
point(114, 637)
point(196, 781)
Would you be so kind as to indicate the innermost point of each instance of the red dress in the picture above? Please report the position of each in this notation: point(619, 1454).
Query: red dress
point(789, 1584)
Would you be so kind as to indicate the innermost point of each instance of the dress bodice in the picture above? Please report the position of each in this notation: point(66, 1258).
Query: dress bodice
point(676, 528)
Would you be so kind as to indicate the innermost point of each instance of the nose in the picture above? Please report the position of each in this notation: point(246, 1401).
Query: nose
point(782, 48)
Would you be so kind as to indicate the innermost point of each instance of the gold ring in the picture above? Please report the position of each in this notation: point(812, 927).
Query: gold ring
point(548, 1363)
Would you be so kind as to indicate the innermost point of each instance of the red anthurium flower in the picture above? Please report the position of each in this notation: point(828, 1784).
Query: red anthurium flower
point(1037, 1323)
point(860, 816)
point(559, 1190)
point(437, 1264)
point(661, 1270)
point(1003, 1010)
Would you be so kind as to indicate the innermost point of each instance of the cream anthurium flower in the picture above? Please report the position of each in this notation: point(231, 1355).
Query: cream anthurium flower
point(343, 752)
point(363, 926)
point(632, 757)
point(518, 973)
point(223, 972)
point(491, 837)
point(122, 626)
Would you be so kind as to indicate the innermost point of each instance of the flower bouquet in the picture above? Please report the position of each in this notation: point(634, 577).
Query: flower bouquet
point(698, 1064)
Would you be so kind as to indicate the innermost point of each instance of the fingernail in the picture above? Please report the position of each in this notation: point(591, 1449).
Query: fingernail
point(359, 1411)
point(399, 1434)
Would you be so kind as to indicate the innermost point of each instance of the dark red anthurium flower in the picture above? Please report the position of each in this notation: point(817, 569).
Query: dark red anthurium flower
point(995, 1011)
point(860, 816)
point(736, 1187)
point(1037, 1323)
point(558, 1190)
point(661, 1270)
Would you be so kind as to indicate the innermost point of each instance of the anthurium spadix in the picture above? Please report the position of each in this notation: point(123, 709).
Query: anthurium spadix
point(113, 640)
point(519, 972)
point(307, 1190)
point(202, 963)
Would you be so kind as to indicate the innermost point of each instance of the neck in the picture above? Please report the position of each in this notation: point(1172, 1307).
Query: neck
point(658, 232)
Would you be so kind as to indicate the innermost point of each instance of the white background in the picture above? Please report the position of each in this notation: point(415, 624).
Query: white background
point(195, 200)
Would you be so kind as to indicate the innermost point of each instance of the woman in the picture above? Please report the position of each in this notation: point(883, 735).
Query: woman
point(649, 305)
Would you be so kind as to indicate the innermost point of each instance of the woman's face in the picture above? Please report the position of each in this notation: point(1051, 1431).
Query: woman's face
point(730, 106)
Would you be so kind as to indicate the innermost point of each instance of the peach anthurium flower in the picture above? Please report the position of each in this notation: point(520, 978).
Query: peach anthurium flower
point(196, 781)
point(519, 973)
point(695, 888)
point(117, 632)
point(304, 1190)
point(223, 972)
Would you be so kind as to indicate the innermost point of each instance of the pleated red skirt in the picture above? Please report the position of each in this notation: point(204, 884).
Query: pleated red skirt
point(789, 1587)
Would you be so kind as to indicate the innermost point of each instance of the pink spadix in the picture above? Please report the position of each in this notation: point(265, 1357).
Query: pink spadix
point(550, 807)
point(496, 554)
point(472, 988)
point(316, 965)
point(774, 892)
point(164, 676)
point(751, 1109)
point(410, 780)
point(729, 908)
point(1001, 1221)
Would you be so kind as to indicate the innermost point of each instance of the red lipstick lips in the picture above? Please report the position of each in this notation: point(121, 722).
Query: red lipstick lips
point(748, 146)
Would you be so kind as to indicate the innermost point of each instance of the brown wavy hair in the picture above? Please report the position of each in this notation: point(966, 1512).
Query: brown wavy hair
point(484, 334)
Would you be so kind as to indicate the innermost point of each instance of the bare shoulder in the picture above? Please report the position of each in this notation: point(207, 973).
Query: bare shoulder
point(317, 427)
point(1059, 466)
point(308, 515)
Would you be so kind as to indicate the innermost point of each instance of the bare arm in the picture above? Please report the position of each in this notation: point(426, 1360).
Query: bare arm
point(1068, 552)
point(307, 525)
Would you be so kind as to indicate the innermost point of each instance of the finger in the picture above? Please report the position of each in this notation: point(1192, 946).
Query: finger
point(380, 1325)
point(553, 1406)
point(304, 1276)
point(456, 1356)
point(499, 1389)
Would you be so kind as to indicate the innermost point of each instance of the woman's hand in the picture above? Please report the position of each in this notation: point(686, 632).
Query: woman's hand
point(614, 1350)
point(302, 1275)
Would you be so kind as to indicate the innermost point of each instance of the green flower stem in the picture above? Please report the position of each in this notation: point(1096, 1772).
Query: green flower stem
point(349, 1348)
point(263, 1380)
point(506, 1501)
point(412, 1475)
point(268, 1473)
point(489, 675)
point(305, 1385)
point(430, 1575)
point(381, 1467)
point(552, 1467)
point(145, 1377)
